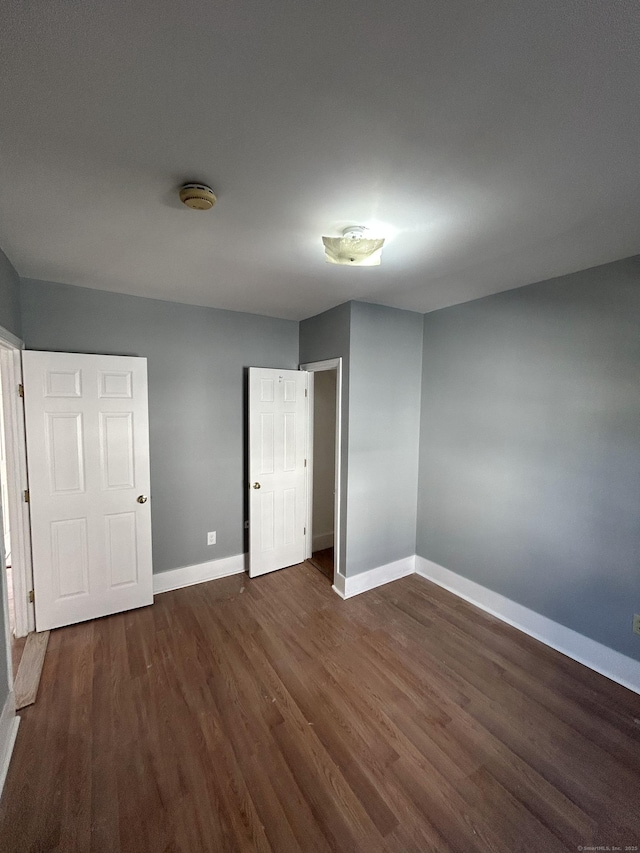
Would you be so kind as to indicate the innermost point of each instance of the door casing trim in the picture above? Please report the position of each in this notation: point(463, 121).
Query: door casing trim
point(17, 510)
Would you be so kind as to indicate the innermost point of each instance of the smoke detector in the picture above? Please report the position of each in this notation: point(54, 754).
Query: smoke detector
point(197, 196)
point(354, 248)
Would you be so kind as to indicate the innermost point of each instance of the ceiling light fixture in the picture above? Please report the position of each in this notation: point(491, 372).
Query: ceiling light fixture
point(197, 196)
point(353, 248)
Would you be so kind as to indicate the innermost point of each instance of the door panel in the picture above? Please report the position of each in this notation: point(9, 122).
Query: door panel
point(116, 450)
point(65, 452)
point(120, 538)
point(277, 449)
point(70, 558)
point(88, 461)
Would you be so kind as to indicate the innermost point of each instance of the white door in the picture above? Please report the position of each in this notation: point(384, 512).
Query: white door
point(87, 431)
point(277, 468)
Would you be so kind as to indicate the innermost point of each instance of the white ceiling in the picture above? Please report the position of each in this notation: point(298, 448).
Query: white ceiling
point(498, 141)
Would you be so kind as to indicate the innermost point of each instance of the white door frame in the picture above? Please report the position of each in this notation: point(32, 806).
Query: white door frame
point(316, 367)
point(18, 509)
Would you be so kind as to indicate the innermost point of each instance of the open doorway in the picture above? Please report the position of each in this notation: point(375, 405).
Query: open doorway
point(324, 466)
point(324, 471)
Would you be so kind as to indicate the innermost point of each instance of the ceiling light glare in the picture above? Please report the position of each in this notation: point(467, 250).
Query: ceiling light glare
point(353, 249)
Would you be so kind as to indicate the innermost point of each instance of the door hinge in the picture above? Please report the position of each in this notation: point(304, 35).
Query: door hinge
point(26, 496)
point(305, 463)
point(306, 393)
point(31, 596)
point(20, 390)
point(304, 531)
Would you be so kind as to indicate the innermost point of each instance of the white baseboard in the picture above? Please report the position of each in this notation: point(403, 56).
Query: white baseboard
point(201, 572)
point(338, 584)
point(377, 577)
point(322, 541)
point(614, 665)
point(9, 723)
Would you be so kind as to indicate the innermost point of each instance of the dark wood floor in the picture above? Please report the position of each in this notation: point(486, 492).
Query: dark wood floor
point(269, 715)
point(323, 561)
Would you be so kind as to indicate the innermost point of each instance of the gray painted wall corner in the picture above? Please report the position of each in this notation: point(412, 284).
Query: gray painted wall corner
point(326, 336)
point(384, 432)
point(381, 349)
point(10, 313)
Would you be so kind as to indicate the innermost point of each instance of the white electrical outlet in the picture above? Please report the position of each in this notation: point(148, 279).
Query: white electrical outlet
point(211, 537)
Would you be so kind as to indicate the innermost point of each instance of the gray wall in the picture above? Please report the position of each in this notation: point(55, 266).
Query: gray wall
point(10, 320)
point(382, 363)
point(197, 360)
point(324, 336)
point(384, 426)
point(9, 297)
point(530, 448)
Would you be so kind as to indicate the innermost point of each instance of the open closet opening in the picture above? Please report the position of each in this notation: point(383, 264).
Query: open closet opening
point(324, 471)
point(324, 519)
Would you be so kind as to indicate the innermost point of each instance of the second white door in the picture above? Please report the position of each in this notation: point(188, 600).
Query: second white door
point(277, 468)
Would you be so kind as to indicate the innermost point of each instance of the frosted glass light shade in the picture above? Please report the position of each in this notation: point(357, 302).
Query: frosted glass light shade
point(353, 250)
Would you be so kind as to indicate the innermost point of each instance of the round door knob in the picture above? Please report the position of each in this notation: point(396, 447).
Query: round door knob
point(256, 485)
point(142, 499)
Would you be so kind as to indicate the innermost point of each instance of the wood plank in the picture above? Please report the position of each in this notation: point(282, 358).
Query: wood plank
point(269, 715)
point(323, 562)
point(27, 680)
